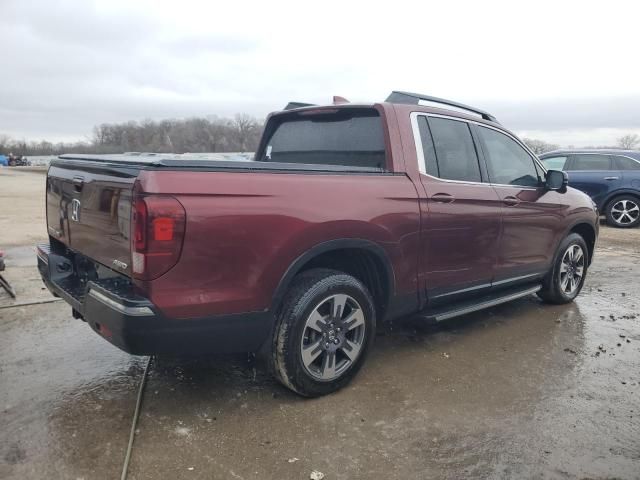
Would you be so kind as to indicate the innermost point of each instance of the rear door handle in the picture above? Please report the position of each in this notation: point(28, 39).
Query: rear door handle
point(510, 201)
point(611, 178)
point(442, 198)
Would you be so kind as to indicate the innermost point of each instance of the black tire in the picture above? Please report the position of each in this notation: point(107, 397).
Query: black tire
point(631, 216)
point(552, 286)
point(308, 294)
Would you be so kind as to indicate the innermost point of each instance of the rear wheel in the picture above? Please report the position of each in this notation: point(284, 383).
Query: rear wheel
point(623, 212)
point(323, 332)
point(566, 278)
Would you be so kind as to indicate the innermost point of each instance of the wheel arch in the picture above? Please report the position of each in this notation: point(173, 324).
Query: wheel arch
point(618, 193)
point(363, 259)
point(588, 233)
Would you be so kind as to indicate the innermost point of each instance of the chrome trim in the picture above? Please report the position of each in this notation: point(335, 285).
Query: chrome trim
point(417, 139)
point(519, 187)
point(462, 290)
point(420, 152)
point(41, 255)
point(133, 311)
point(488, 285)
point(516, 279)
point(54, 232)
point(533, 156)
point(487, 304)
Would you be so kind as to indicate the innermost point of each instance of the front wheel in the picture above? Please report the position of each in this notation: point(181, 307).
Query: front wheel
point(566, 278)
point(323, 332)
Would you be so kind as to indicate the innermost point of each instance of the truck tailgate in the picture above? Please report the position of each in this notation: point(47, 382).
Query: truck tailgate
point(89, 210)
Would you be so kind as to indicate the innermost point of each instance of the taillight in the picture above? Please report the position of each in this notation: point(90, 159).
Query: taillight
point(158, 227)
point(139, 225)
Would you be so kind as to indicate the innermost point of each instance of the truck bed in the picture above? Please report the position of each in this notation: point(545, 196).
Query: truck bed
point(210, 162)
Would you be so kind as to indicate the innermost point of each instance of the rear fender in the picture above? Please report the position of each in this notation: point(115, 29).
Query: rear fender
point(324, 247)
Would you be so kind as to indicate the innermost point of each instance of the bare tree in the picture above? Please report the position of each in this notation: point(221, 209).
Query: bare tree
point(629, 141)
point(539, 146)
point(245, 126)
point(211, 134)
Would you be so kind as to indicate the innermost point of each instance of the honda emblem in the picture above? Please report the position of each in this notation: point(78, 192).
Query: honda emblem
point(75, 210)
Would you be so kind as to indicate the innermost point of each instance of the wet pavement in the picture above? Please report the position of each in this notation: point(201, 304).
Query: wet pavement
point(523, 390)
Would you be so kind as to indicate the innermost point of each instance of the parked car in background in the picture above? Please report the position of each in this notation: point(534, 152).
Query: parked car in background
point(18, 160)
point(3, 161)
point(610, 177)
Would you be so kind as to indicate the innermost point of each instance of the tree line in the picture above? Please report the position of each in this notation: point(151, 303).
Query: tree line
point(626, 142)
point(213, 134)
point(197, 135)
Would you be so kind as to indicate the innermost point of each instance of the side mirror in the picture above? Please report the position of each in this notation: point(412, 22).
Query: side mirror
point(557, 180)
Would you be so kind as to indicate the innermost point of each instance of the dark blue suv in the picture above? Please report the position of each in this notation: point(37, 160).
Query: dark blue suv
point(610, 177)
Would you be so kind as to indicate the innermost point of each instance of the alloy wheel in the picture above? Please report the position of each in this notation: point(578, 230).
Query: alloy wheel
point(333, 337)
point(625, 212)
point(572, 269)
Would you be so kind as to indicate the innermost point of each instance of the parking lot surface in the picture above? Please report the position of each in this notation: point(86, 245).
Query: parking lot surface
point(523, 390)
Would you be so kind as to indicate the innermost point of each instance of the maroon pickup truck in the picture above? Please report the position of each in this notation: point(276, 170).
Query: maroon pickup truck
point(349, 215)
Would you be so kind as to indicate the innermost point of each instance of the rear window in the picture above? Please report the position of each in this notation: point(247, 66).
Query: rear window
point(348, 137)
point(626, 163)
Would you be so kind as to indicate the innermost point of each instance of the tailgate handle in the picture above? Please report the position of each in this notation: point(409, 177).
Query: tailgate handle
point(78, 183)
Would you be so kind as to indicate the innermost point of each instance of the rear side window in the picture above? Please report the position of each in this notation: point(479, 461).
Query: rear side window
point(626, 163)
point(430, 163)
point(590, 162)
point(508, 163)
point(455, 152)
point(554, 163)
point(348, 137)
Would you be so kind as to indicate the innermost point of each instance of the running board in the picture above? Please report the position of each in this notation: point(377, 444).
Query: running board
point(481, 303)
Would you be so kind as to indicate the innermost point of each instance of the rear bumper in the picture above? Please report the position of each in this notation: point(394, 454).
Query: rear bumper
point(135, 325)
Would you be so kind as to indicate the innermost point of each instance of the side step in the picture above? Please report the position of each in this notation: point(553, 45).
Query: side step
point(462, 308)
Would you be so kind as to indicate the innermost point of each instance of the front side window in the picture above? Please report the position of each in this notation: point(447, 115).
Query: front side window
point(554, 163)
point(455, 152)
point(626, 163)
point(507, 162)
point(590, 162)
point(348, 137)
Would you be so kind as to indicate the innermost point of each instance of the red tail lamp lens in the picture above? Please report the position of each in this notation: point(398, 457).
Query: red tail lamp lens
point(140, 222)
point(163, 229)
point(158, 232)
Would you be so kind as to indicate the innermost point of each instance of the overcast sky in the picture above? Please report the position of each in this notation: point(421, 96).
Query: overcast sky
point(565, 72)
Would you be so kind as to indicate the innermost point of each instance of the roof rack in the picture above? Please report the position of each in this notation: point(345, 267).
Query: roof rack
point(292, 105)
point(414, 99)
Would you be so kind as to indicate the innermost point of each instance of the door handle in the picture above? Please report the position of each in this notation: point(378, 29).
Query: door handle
point(611, 178)
point(78, 183)
point(442, 198)
point(510, 201)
